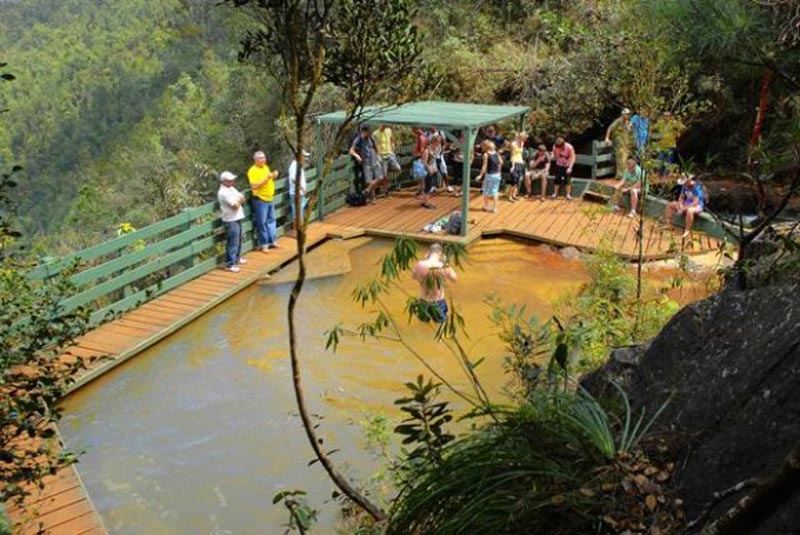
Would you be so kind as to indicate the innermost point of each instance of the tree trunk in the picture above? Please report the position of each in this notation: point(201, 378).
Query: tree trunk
point(308, 424)
point(766, 81)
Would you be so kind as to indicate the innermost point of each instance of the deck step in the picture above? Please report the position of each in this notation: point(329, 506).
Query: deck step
point(595, 196)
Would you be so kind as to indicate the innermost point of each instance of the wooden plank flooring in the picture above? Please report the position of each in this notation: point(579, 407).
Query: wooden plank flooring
point(63, 506)
point(577, 223)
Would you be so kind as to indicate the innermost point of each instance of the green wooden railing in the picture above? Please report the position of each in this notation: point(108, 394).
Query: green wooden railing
point(601, 160)
point(123, 273)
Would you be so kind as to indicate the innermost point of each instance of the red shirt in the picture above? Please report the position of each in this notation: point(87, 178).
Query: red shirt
point(563, 155)
point(421, 143)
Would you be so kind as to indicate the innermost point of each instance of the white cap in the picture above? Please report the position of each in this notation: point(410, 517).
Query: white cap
point(226, 175)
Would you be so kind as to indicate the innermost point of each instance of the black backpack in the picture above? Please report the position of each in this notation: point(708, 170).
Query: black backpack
point(454, 223)
point(356, 198)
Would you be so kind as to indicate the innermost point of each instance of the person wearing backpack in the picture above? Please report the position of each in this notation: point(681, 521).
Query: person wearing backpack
point(690, 203)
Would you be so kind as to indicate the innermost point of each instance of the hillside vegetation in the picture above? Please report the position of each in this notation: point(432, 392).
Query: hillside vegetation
point(122, 110)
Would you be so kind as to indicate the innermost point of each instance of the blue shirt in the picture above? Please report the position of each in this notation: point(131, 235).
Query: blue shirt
point(692, 193)
point(641, 130)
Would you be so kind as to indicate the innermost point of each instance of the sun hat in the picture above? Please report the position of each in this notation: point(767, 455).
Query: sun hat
point(226, 175)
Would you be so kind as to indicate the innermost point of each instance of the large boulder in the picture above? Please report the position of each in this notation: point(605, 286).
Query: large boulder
point(773, 257)
point(731, 365)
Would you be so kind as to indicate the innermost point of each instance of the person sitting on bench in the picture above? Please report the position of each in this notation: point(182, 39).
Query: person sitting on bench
point(630, 183)
point(690, 203)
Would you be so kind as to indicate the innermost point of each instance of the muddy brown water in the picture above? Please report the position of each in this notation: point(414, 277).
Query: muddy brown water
point(196, 434)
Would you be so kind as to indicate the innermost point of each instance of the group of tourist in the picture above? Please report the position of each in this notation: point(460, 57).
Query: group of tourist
point(262, 186)
point(629, 134)
point(375, 161)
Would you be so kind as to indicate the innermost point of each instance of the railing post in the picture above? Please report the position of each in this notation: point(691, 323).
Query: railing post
point(594, 159)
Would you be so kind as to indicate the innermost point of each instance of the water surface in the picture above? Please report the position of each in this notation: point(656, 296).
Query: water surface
point(196, 434)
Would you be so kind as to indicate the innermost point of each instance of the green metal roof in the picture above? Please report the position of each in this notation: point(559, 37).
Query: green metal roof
point(454, 115)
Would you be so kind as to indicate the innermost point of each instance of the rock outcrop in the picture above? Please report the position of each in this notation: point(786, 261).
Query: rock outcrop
point(731, 366)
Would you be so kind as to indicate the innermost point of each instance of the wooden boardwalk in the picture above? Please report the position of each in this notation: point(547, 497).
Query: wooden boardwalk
point(577, 223)
point(63, 506)
point(60, 508)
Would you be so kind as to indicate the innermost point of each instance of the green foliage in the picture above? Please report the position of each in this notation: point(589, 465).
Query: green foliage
point(607, 313)
point(526, 340)
point(592, 421)
point(302, 517)
point(124, 112)
point(424, 429)
point(553, 465)
point(34, 331)
point(5, 527)
point(393, 52)
point(741, 41)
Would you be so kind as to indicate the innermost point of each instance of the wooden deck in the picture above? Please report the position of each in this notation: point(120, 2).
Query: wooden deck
point(577, 223)
point(63, 507)
point(60, 508)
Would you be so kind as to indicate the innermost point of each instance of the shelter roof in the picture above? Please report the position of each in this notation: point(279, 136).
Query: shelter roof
point(453, 115)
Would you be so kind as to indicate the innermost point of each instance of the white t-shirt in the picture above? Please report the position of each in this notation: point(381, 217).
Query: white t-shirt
point(292, 171)
point(228, 197)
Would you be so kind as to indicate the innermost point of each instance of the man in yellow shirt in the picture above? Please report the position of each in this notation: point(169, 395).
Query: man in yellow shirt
point(262, 184)
point(667, 129)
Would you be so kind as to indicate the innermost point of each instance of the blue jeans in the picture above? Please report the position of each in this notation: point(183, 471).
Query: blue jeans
point(233, 243)
point(264, 221)
point(303, 203)
point(666, 157)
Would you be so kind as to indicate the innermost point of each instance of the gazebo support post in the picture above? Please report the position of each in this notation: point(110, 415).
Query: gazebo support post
point(466, 150)
point(319, 156)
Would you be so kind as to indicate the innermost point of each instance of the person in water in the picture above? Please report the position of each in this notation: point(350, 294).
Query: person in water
point(432, 275)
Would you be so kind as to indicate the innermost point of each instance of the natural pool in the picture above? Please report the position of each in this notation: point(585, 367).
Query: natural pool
point(196, 434)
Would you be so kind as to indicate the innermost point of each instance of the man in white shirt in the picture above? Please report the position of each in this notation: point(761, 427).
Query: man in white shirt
point(292, 178)
point(230, 204)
